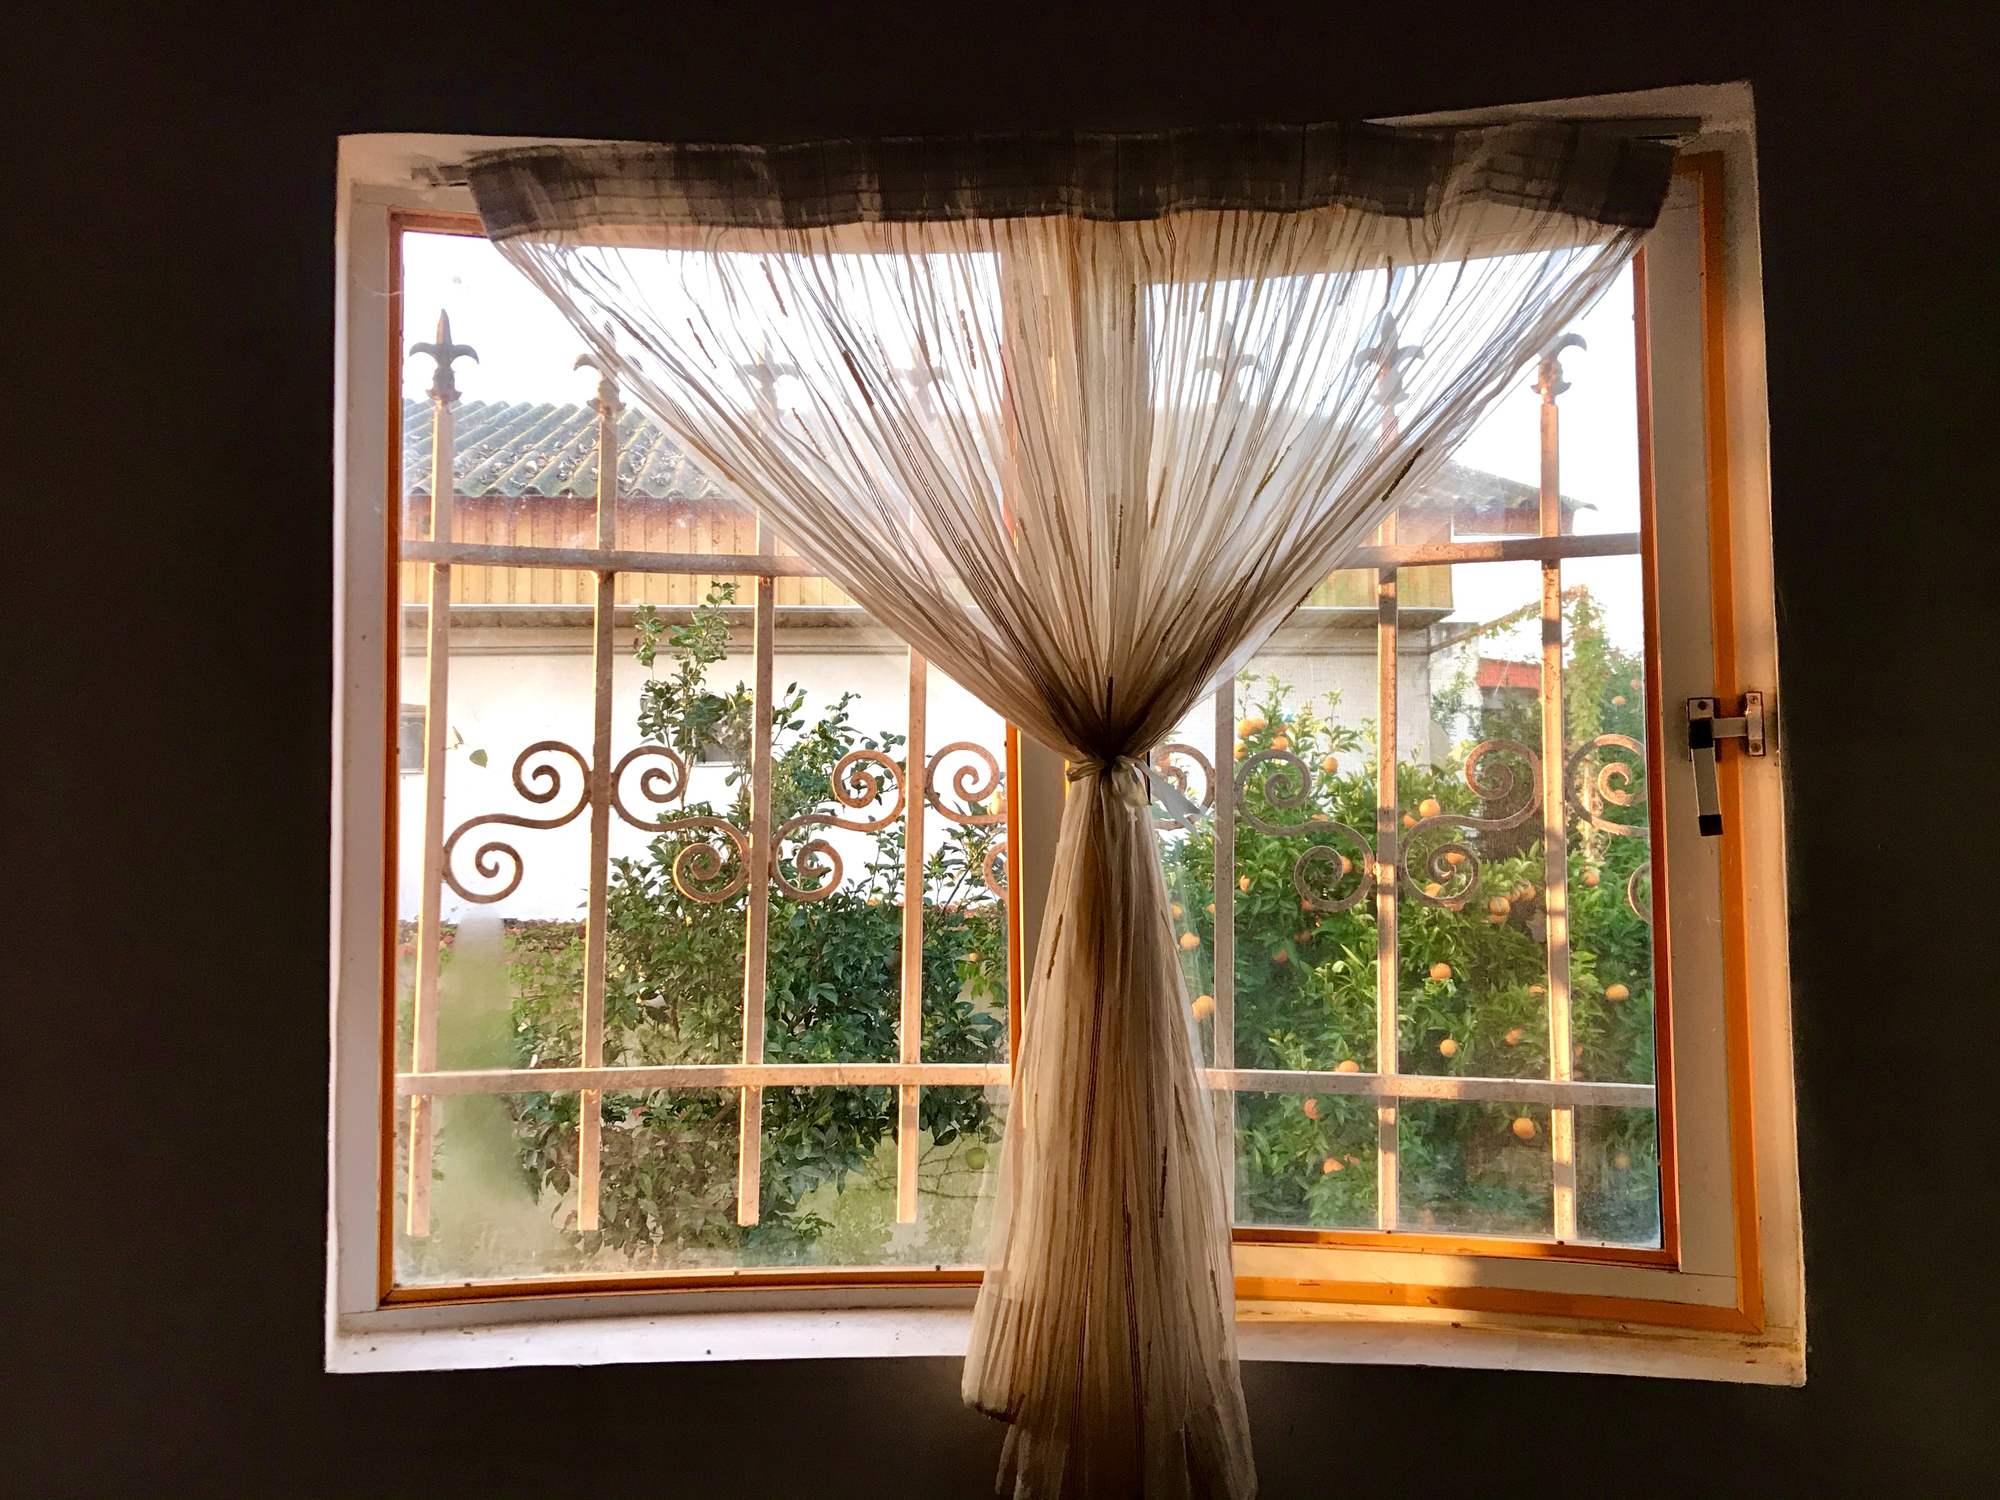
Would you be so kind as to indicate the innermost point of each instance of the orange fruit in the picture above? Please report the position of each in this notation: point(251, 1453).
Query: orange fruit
point(1177, 910)
point(1514, 1036)
point(1281, 957)
point(1248, 727)
point(1427, 1219)
point(1239, 752)
point(1330, 764)
point(1637, 685)
point(1448, 1047)
point(1211, 908)
point(1617, 700)
point(1347, 1065)
point(1433, 889)
point(1203, 1007)
point(1440, 971)
point(1428, 808)
point(1243, 884)
point(1331, 1164)
point(1616, 992)
point(1499, 906)
point(1524, 1128)
point(1536, 989)
point(1279, 742)
point(1590, 877)
point(1190, 942)
point(1346, 865)
point(1311, 1107)
point(1525, 891)
point(1453, 857)
point(1621, 1162)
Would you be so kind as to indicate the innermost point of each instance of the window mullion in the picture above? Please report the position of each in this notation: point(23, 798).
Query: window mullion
point(430, 932)
point(1555, 834)
point(757, 900)
point(1222, 789)
point(910, 1029)
point(1387, 957)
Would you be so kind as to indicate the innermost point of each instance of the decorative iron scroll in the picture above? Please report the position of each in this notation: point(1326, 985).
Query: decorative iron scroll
point(1164, 762)
point(1454, 864)
point(974, 785)
point(1286, 787)
point(853, 787)
point(485, 859)
point(996, 883)
point(1612, 784)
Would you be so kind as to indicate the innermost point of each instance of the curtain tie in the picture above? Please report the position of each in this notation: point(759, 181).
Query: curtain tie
point(1139, 783)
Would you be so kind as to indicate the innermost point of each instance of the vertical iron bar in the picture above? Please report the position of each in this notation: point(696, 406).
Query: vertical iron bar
point(910, 1029)
point(430, 933)
point(1387, 961)
point(1555, 833)
point(1224, 978)
point(757, 922)
point(590, 1116)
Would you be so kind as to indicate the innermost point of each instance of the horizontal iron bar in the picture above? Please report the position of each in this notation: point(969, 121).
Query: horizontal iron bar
point(762, 565)
point(1431, 1086)
point(1500, 549)
point(974, 1075)
point(701, 1076)
point(596, 560)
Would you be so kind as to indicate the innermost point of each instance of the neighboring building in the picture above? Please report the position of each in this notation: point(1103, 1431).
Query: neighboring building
point(526, 474)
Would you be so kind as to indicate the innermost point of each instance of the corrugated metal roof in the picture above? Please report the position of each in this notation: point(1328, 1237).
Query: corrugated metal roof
point(528, 448)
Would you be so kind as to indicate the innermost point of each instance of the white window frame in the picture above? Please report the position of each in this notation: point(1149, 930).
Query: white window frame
point(1713, 1316)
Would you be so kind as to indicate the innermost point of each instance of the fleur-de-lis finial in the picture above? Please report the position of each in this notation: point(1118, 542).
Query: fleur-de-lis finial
point(764, 376)
point(444, 351)
point(607, 403)
point(1549, 380)
point(1388, 357)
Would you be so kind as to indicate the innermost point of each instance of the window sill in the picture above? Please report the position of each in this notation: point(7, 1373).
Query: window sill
point(566, 1332)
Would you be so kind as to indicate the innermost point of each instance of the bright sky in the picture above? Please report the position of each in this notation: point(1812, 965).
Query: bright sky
point(526, 353)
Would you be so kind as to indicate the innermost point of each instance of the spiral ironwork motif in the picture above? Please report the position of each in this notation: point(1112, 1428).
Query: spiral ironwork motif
point(1497, 785)
point(1641, 872)
point(657, 784)
point(1612, 784)
point(817, 862)
point(1327, 854)
point(548, 786)
point(995, 883)
point(973, 785)
point(1287, 786)
point(1163, 762)
point(699, 861)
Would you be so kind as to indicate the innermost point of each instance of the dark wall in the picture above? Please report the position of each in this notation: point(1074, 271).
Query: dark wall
point(167, 565)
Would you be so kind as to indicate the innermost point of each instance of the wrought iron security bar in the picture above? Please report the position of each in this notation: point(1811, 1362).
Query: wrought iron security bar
point(961, 772)
point(1561, 783)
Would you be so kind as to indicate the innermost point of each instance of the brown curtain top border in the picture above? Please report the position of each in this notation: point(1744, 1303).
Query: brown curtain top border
point(1588, 170)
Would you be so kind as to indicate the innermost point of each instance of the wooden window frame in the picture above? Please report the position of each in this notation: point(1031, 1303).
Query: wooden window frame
point(1301, 1294)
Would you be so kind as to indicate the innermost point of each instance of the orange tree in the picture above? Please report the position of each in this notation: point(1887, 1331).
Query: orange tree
point(1472, 964)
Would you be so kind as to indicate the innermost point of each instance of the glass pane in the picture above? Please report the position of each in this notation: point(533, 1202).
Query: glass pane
point(1305, 1160)
point(1475, 1168)
point(1618, 1176)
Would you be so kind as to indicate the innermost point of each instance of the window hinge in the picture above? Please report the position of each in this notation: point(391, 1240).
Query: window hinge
point(1704, 729)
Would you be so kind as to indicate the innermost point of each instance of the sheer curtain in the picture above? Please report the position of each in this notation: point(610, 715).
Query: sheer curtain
point(1083, 418)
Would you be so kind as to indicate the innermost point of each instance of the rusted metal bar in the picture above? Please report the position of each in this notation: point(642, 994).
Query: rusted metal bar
point(720, 1076)
point(1223, 980)
point(598, 559)
point(1387, 960)
point(1506, 549)
point(1433, 1086)
point(590, 1118)
point(910, 1025)
point(1555, 832)
point(430, 931)
point(757, 898)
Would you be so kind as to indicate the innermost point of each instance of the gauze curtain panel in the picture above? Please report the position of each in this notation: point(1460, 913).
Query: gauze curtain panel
point(1083, 418)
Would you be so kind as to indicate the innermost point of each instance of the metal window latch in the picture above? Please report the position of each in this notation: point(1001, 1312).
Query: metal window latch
point(1704, 729)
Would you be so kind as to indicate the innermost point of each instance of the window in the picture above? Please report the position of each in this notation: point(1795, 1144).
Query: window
point(1503, 1036)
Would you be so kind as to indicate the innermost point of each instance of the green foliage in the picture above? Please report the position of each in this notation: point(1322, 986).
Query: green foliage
point(1472, 975)
point(674, 985)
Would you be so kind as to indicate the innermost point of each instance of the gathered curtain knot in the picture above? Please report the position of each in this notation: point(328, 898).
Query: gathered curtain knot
point(1137, 783)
